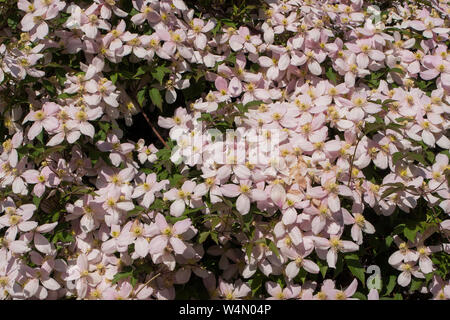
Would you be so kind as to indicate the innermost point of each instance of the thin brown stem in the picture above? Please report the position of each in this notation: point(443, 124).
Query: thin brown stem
point(146, 284)
point(154, 129)
point(351, 163)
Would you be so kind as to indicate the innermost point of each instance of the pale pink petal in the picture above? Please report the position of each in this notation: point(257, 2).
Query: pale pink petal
point(177, 208)
point(243, 204)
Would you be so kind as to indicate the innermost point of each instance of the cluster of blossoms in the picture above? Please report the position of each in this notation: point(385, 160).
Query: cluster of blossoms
point(340, 118)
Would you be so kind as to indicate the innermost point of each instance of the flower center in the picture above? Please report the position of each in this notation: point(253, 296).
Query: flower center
point(39, 115)
point(14, 219)
point(359, 220)
point(340, 295)
point(167, 231)
point(335, 243)
point(245, 188)
point(137, 231)
point(7, 145)
point(81, 115)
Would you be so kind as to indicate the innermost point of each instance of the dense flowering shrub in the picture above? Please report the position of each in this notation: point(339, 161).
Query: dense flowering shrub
point(278, 149)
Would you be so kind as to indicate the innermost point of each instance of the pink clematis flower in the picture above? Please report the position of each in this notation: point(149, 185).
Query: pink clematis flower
point(45, 178)
point(17, 219)
point(197, 33)
point(435, 66)
point(181, 197)
point(243, 39)
point(44, 118)
point(330, 248)
point(166, 235)
point(120, 292)
point(81, 118)
point(291, 291)
point(244, 193)
point(234, 291)
point(335, 294)
point(360, 224)
point(364, 50)
point(299, 261)
point(408, 269)
point(9, 152)
point(148, 188)
point(37, 14)
point(81, 275)
point(146, 12)
point(404, 254)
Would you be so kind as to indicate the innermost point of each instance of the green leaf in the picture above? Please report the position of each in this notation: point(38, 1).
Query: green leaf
point(339, 267)
point(40, 137)
point(12, 23)
point(398, 296)
point(55, 216)
point(331, 76)
point(256, 284)
point(323, 268)
point(430, 156)
point(395, 126)
point(410, 232)
point(105, 126)
point(36, 201)
point(66, 95)
point(188, 211)
point(302, 274)
point(272, 247)
point(397, 70)
point(359, 296)
point(355, 267)
point(199, 74)
point(429, 276)
point(141, 96)
point(134, 12)
point(203, 236)
point(388, 101)
point(249, 249)
point(252, 104)
point(389, 241)
point(255, 67)
point(133, 281)
point(135, 211)
point(402, 119)
point(206, 117)
point(216, 28)
point(114, 77)
point(159, 73)
point(122, 275)
point(397, 156)
point(155, 96)
point(417, 157)
point(141, 70)
point(215, 221)
point(391, 284)
point(231, 58)
point(415, 284)
point(68, 238)
point(372, 127)
point(215, 237)
point(176, 180)
point(390, 191)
